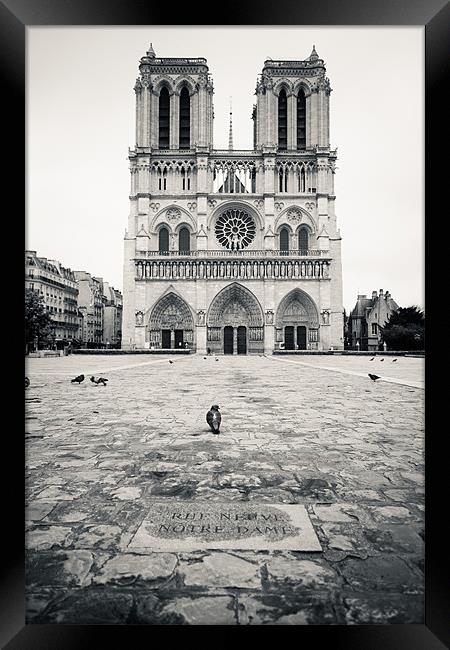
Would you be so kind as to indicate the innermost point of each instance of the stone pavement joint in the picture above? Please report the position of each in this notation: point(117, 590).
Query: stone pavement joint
point(97, 458)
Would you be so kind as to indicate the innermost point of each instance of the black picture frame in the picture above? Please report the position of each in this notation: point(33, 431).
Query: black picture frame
point(15, 16)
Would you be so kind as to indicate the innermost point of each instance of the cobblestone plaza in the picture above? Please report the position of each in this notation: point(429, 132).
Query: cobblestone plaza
point(309, 430)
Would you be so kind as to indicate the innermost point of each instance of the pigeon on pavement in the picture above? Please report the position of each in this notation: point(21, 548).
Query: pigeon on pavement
point(217, 359)
point(100, 380)
point(170, 361)
point(372, 359)
point(394, 360)
point(373, 377)
point(214, 418)
point(78, 379)
point(381, 359)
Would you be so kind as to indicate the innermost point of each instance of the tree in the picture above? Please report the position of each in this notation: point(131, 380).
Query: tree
point(405, 329)
point(38, 324)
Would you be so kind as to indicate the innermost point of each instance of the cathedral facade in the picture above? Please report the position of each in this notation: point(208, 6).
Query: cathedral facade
point(235, 251)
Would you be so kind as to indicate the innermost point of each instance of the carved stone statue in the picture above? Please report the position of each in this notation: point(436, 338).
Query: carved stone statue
point(269, 317)
point(139, 318)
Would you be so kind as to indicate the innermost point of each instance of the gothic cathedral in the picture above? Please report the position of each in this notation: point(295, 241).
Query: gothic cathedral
point(235, 251)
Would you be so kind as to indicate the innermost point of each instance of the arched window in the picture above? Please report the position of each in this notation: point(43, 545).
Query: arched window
point(164, 128)
point(284, 240)
point(185, 119)
point(282, 120)
point(303, 240)
point(301, 119)
point(163, 240)
point(184, 240)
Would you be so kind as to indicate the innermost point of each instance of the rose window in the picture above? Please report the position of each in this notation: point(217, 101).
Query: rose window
point(235, 229)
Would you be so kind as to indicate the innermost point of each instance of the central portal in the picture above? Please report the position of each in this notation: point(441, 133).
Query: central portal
point(235, 322)
point(235, 340)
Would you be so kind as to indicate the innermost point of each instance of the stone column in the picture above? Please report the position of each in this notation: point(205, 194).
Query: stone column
point(314, 116)
point(138, 91)
point(172, 339)
point(308, 120)
point(154, 125)
point(292, 122)
point(174, 120)
point(202, 116)
point(261, 119)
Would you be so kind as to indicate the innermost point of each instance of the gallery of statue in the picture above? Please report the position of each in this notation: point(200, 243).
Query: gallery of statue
point(235, 251)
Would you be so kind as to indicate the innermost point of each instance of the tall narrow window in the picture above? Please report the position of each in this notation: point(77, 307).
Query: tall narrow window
point(164, 103)
point(184, 245)
point(303, 240)
point(301, 119)
point(185, 119)
point(282, 120)
point(284, 240)
point(163, 240)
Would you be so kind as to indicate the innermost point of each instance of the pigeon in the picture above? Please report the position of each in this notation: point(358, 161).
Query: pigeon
point(381, 359)
point(373, 377)
point(27, 382)
point(170, 361)
point(372, 359)
point(77, 379)
point(214, 418)
point(100, 380)
point(217, 359)
point(204, 357)
point(394, 360)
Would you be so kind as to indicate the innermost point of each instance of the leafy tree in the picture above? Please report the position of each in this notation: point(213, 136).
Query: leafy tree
point(405, 329)
point(37, 320)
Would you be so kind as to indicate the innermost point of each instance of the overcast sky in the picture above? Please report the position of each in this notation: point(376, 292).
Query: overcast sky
point(81, 121)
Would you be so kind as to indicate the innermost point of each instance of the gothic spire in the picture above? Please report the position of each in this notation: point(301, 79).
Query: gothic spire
point(230, 136)
point(151, 52)
point(313, 56)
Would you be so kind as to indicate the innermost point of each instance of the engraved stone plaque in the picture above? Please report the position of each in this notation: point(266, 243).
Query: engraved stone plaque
point(206, 525)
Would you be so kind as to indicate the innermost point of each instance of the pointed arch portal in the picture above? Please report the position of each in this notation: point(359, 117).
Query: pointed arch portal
point(235, 322)
point(171, 324)
point(297, 321)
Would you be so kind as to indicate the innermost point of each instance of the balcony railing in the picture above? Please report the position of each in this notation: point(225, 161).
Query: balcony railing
point(228, 269)
point(225, 253)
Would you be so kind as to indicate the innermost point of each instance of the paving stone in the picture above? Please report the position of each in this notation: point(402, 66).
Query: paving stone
point(388, 573)
point(337, 512)
point(45, 538)
point(396, 538)
point(98, 536)
point(37, 601)
point(67, 568)
point(218, 610)
point(127, 493)
point(292, 619)
point(89, 607)
point(222, 570)
point(37, 510)
point(127, 567)
point(253, 611)
point(306, 573)
point(391, 610)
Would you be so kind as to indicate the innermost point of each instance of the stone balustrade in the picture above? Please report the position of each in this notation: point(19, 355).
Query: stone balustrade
point(199, 269)
point(224, 253)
